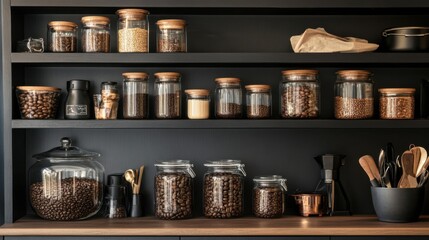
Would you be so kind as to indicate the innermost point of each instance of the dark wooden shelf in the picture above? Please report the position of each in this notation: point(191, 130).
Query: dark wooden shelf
point(221, 124)
point(227, 59)
point(247, 226)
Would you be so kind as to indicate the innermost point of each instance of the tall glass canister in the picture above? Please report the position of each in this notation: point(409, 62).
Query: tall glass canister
point(167, 94)
point(95, 34)
point(228, 98)
point(133, 30)
point(258, 101)
point(136, 95)
point(171, 35)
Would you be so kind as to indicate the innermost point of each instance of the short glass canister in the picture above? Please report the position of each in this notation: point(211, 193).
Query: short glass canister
point(269, 196)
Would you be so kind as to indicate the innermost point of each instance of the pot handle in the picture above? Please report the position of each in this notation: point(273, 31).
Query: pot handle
point(385, 34)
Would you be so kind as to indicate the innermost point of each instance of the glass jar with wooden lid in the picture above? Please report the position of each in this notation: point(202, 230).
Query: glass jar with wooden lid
point(198, 102)
point(228, 98)
point(299, 94)
point(354, 95)
point(62, 36)
point(167, 93)
point(397, 103)
point(258, 101)
point(171, 35)
point(133, 30)
point(136, 95)
point(95, 34)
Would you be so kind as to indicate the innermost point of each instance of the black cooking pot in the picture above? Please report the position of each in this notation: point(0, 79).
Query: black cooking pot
point(406, 39)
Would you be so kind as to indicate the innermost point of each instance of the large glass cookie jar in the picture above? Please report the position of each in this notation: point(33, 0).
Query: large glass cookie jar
point(66, 183)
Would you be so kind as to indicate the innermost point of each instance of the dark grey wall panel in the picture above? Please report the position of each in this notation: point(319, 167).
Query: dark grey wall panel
point(92, 238)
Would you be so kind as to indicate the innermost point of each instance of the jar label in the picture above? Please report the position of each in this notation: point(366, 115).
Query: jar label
point(76, 110)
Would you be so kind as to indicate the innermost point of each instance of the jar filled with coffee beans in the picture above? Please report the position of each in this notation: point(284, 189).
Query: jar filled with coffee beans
point(354, 95)
point(171, 35)
point(269, 196)
point(38, 102)
point(397, 103)
point(167, 94)
point(133, 30)
point(136, 95)
point(228, 98)
point(258, 100)
point(198, 103)
point(95, 34)
point(299, 94)
point(174, 189)
point(223, 189)
point(62, 36)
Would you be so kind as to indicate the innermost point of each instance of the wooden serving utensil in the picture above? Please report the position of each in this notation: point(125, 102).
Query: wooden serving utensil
point(373, 166)
point(139, 183)
point(417, 154)
point(364, 164)
point(422, 161)
point(408, 179)
point(130, 177)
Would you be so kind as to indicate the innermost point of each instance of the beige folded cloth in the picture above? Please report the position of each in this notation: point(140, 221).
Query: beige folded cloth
point(320, 41)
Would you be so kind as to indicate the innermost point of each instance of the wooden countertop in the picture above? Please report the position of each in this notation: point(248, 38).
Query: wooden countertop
point(247, 226)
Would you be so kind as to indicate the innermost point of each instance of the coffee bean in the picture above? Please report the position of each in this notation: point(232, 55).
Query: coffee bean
point(168, 43)
point(228, 110)
point(299, 101)
point(268, 202)
point(396, 107)
point(38, 104)
point(223, 195)
point(136, 105)
point(353, 108)
point(167, 105)
point(258, 111)
point(95, 40)
point(66, 199)
point(61, 43)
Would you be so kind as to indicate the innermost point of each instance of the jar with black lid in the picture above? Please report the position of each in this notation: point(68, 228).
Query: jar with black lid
point(95, 34)
point(228, 98)
point(136, 95)
point(77, 103)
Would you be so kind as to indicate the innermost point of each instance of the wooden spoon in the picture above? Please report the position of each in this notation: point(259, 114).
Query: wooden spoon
point(408, 179)
point(371, 164)
point(422, 161)
point(417, 154)
point(364, 164)
point(139, 183)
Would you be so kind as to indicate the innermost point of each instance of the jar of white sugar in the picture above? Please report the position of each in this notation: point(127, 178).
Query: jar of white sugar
point(198, 103)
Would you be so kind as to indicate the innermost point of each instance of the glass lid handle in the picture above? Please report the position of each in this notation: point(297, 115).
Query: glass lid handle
point(283, 184)
point(191, 172)
point(241, 169)
point(65, 142)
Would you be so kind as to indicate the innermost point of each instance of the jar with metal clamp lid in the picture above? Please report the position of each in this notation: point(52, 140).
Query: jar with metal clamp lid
point(269, 196)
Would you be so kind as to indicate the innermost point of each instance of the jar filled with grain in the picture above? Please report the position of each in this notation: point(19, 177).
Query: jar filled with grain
point(354, 95)
point(258, 100)
point(136, 95)
point(171, 35)
point(167, 94)
point(198, 101)
point(228, 98)
point(174, 189)
point(133, 30)
point(95, 34)
point(62, 36)
point(397, 103)
point(269, 196)
point(299, 94)
point(223, 189)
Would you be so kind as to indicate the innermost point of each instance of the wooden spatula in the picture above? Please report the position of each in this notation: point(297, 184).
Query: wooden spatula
point(408, 179)
point(364, 164)
point(417, 154)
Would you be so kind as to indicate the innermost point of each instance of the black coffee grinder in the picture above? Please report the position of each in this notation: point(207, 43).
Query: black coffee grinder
point(330, 182)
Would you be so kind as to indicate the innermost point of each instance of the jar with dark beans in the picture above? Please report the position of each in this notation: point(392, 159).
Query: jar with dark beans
point(38, 102)
point(174, 190)
point(269, 196)
point(95, 34)
point(354, 95)
point(136, 95)
point(397, 103)
point(299, 94)
point(228, 98)
point(62, 36)
point(171, 35)
point(167, 93)
point(258, 100)
point(223, 189)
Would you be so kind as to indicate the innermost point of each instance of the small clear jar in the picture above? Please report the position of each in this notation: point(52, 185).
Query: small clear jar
point(228, 98)
point(136, 95)
point(258, 100)
point(397, 103)
point(95, 34)
point(198, 102)
point(269, 196)
point(133, 30)
point(167, 94)
point(174, 189)
point(171, 35)
point(223, 189)
point(106, 103)
point(62, 36)
point(354, 95)
point(299, 94)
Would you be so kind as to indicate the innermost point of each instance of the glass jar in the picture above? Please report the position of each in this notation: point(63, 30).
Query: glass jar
point(223, 189)
point(299, 94)
point(66, 183)
point(95, 34)
point(106, 103)
point(258, 100)
point(198, 101)
point(62, 36)
point(167, 93)
point(397, 103)
point(171, 35)
point(228, 98)
point(269, 196)
point(133, 30)
point(174, 189)
point(354, 95)
point(136, 95)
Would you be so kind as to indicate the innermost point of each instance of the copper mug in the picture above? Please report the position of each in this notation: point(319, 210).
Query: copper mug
point(311, 204)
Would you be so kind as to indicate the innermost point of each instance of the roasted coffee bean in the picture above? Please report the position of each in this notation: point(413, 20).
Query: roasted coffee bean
point(223, 195)
point(173, 196)
point(228, 110)
point(94, 40)
point(136, 105)
point(268, 202)
point(258, 111)
point(397, 107)
point(353, 108)
point(66, 199)
point(171, 44)
point(62, 43)
point(299, 101)
point(38, 105)
point(167, 105)
point(119, 212)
